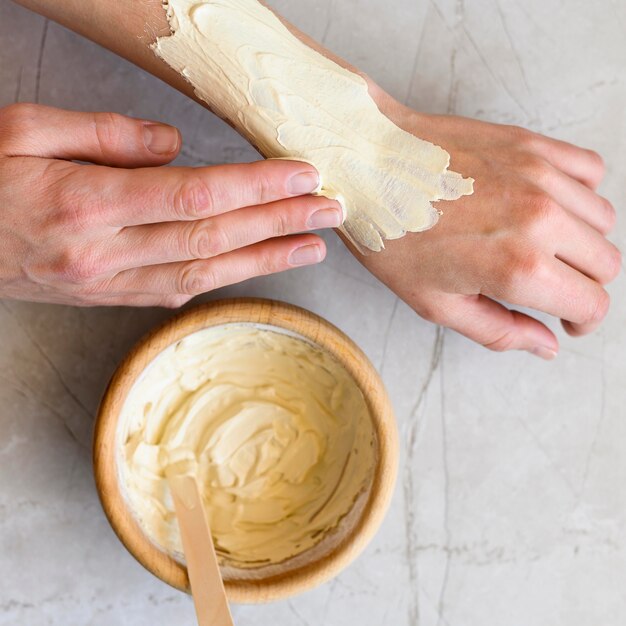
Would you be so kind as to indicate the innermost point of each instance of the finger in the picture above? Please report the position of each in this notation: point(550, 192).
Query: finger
point(127, 300)
point(148, 196)
point(169, 242)
point(586, 166)
point(133, 300)
point(494, 326)
point(204, 275)
point(585, 249)
point(104, 138)
point(578, 330)
point(578, 199)
point(547, 284)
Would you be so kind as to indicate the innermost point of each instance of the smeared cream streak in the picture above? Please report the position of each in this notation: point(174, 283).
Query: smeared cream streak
point(291, 101)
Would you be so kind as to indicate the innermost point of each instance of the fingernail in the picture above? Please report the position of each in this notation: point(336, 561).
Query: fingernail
point(160, 139)
point(306, 255)
point(544, 353)
point(306, 182)
point(325, 218)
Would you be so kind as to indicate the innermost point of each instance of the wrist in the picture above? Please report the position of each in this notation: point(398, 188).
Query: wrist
point(401, 115)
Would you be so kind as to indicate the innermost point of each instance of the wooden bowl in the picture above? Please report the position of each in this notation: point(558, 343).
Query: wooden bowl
point(282, 316)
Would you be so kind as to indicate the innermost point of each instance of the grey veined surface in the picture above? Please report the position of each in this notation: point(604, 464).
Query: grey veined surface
point(508, 509)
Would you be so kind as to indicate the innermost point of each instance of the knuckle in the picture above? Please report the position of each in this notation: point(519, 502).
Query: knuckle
point(520, 269)
point(194, 279)
point(73, 204)
point(203, 241)
point(541, 212)
point(264, 186)
point(77, 267)
point(280, 224)
point(262, 181)
point(267, 263)
point(598, 307)
point(110, 132)
point(503, 342)
point(75, 209)
point(194, 198)
point(537, 169)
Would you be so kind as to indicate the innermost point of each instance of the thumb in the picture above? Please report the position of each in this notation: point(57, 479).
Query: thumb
point(103, 138)
point(497, 328)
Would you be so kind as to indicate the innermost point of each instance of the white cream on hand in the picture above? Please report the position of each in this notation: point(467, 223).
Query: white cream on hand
point(292, 102)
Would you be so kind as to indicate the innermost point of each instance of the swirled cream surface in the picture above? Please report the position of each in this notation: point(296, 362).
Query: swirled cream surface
point(279, 433)
point(290, 101)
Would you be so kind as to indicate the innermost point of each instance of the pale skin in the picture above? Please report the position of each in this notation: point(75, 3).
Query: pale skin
point(533, 234)
point(126, 232)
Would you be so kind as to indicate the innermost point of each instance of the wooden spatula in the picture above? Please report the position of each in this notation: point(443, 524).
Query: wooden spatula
point(207, 587)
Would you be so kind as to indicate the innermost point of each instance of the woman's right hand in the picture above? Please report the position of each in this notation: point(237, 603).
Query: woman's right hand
point(122, 231)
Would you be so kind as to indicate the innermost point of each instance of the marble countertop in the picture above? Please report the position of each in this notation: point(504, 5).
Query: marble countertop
point(510, 507)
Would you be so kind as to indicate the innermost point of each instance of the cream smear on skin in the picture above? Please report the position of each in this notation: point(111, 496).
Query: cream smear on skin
point(292, 102)
point(275, 430)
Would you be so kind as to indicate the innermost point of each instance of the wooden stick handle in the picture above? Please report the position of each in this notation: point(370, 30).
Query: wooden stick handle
point(207, 586)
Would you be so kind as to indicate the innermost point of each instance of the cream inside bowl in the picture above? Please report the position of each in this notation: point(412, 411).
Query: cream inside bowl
point(281, 439)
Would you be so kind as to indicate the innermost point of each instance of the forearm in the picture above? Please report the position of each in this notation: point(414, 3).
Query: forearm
point(126, 27)
point(131, 27)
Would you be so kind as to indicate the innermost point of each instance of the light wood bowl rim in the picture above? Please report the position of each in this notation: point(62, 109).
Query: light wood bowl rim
point(256, 311)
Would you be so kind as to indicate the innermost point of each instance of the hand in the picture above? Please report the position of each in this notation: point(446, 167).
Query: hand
point(532, 234)
point(107, 234)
